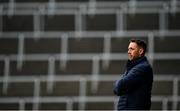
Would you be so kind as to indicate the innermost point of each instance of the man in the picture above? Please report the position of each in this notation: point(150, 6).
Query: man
point(134, 87)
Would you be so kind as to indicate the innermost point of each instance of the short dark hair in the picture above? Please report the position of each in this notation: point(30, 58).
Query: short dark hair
point(140, 43)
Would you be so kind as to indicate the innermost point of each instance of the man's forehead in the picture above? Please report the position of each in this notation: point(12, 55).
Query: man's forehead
point(133, 44)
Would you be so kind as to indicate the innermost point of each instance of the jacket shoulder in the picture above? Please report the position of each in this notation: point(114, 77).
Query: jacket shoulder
point(145, 66)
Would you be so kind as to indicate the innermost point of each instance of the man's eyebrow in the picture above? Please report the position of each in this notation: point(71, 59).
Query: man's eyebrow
point(130, 48)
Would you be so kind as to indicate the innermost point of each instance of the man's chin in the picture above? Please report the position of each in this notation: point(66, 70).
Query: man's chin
point(130, 58)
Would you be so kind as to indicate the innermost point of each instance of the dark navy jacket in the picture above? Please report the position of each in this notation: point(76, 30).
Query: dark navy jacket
point(134, 87)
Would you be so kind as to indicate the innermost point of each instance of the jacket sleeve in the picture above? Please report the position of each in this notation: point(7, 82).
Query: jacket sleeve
point(134, 79)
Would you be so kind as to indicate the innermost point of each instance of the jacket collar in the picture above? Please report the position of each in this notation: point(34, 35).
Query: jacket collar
point(132, 63)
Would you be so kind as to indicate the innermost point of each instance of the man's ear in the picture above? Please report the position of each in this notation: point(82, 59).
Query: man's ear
point(141, 51)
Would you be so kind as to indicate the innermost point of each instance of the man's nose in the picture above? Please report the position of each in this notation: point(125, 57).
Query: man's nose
point(129, 51)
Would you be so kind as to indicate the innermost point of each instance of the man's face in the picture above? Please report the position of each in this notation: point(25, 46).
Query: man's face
point(134, 51)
